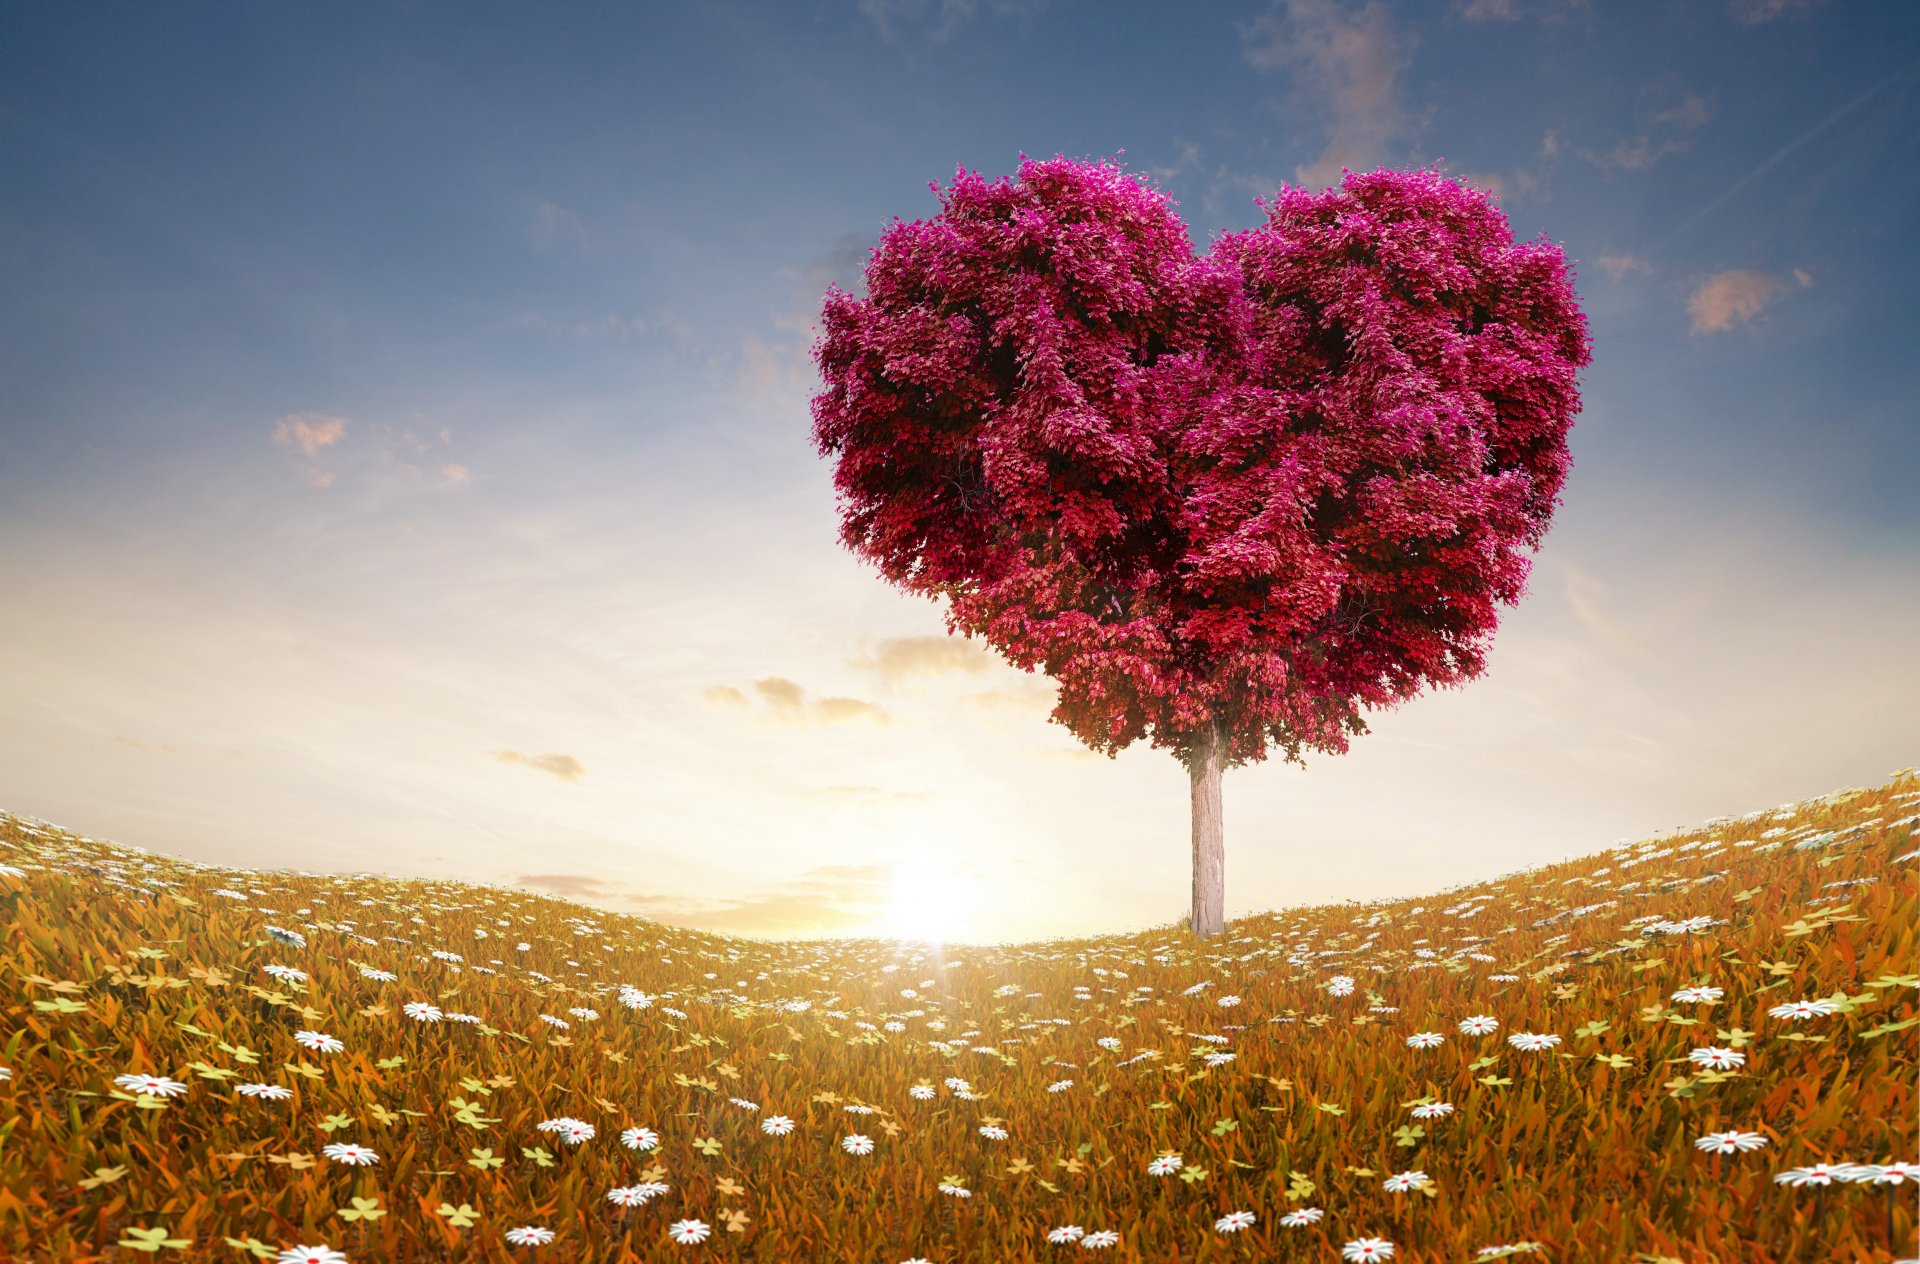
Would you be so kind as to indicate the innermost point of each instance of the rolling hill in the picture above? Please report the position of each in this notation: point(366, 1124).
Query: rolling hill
point(1700, 1047)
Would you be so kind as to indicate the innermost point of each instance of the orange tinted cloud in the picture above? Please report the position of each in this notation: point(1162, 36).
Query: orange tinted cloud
point(565, 767)
point(1731, 298)
point(309, 432)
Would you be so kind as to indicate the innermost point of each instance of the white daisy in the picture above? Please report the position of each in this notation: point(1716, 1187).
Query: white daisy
point(310, 1255)
point(1798, 1010)
point(272, 1092)
point(350, 1154)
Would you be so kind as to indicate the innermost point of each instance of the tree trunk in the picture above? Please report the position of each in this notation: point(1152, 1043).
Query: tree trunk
point(1209, 851)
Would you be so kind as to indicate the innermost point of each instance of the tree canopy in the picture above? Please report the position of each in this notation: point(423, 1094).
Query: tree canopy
point(1267, 487)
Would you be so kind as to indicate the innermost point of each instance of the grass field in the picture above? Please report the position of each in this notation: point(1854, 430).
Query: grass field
point(1598, 1060)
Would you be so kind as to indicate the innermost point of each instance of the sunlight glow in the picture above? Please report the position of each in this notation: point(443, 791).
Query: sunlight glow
point(928, 901)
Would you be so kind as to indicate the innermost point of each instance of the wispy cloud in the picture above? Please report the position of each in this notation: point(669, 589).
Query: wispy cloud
point(899, 658)
point(822, 900)
point(555, 226)
point(849, 711)
point(1490, 11)
point(1189, 160)
point(1733, 298)
point(1549, 11)
point(311, 433)
point(1755, 12)
point(865, 794)
point(578, 886)
point(1617, 266)
point(1787, 149)
point(888, 15)
point(1031, 703)
point(1587, 595)
point(782, 695)
point(169, 748)
point(787, 703)
point(1351, 59)
point(612, 325)
point(565, 767)
point(1645, 148)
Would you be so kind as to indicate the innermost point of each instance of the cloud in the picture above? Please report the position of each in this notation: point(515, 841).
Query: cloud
point(661, 324)
point(565, 767)
point(865, 794)
point(1727, 299)
point(454, 473)
point(782, 695)
point(1078, 755)
point(1350, 59)
point(1585, 594)
point(1189, 160)
point(1691, 112)
point(952, 13)
point(847, 711)
point(556, 226)
point(168, 748)
point(901, 657)
point(1509, 10)
point(1755, 12)
point(1618, 266)
point(787, 702)
point(309, 432)
point(1027, 703)
point(822, 900)
point(577, 886)
point(1642, 150)
point(1487, 180)
point(320, 478)
point(1550, 144)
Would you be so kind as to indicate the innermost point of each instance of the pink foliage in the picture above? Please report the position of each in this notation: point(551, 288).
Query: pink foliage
point(1272, 485)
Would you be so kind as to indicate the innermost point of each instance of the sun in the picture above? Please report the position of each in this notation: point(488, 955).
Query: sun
point(928, 901)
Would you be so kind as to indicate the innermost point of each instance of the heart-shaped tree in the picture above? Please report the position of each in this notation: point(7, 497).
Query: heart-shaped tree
point(1225, 502)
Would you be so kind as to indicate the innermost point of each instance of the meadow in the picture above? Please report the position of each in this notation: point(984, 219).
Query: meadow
point(1697, 1047)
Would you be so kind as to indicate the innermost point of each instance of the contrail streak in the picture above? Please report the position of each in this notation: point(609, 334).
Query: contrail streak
point(1768, 165)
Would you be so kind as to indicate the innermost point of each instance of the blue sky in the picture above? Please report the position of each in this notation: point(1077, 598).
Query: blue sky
point(406, 467)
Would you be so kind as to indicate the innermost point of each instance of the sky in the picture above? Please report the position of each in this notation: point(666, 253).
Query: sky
point(405, 460)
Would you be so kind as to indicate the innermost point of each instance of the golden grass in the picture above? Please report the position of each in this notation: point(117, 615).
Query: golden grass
point(118, 962)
